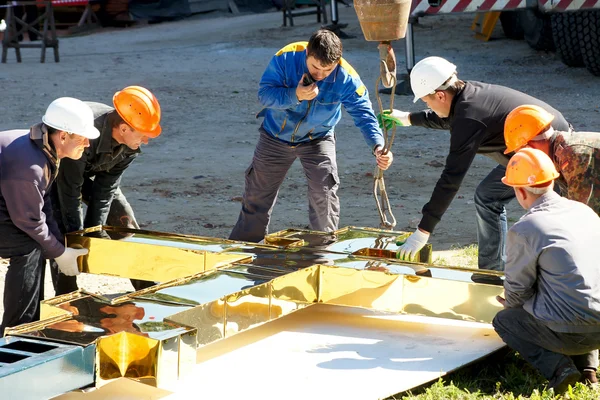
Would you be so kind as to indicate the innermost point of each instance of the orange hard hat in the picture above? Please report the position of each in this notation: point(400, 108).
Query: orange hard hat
point(529, 167)
point(139, 109)
point(523, 124)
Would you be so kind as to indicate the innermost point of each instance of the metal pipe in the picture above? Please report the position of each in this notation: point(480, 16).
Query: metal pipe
point(409, 42)
point(334, 12)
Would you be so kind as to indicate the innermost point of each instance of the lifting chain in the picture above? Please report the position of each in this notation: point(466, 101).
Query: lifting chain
point(388, 78)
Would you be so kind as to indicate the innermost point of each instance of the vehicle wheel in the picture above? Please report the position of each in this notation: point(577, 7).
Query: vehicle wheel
point(566, 38)
point(589, 40)
point(511, 25)
point(537, 29)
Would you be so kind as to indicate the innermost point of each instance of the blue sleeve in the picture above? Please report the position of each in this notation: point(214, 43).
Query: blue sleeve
point(273, 91)
point(357, 103)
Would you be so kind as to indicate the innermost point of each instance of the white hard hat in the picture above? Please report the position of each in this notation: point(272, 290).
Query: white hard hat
point(71, 115)
point(429, 74)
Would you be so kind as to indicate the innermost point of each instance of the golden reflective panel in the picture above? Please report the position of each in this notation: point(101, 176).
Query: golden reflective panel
point(211, 289)
point(130, 257)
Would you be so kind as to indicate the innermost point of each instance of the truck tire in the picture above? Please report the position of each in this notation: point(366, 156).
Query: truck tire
point(511, 25)
point(537, 29)
point(566, 38)
point(589, 40)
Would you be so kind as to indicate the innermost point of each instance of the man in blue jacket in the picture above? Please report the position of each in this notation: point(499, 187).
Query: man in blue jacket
point(29, 163)
point(302, 91)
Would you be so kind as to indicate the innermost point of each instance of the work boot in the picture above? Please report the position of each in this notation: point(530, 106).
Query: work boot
point(564, 376)
point(588, 377)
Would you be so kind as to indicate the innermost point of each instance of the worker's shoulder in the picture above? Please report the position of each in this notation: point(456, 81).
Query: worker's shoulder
point(296, 47)
point(99, 108)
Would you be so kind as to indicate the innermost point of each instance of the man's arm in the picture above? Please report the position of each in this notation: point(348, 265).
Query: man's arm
point(357, 103)
point(275, 89)
point(68, 184)
point(520, 270)
point(103, 190)
point(429, 119)
point(24, 203)
point(463, 148)
point(577, 170)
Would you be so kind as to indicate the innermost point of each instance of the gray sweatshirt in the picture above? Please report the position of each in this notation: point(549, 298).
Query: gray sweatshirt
point(552, 267)
point(28, 165)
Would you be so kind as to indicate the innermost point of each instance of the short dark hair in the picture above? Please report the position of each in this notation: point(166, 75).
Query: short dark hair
point(325, 47)
point(115, 119)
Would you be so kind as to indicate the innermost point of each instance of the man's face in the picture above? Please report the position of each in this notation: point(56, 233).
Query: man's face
point(72, 145)
point(318, 71)
point(439, 102)
point(132, 138)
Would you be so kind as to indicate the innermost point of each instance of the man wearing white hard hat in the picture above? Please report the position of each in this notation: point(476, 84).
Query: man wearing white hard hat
point(29, 161)
point(474, 113)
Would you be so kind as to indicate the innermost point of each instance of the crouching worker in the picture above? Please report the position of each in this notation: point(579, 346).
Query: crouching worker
point(551, 310)
point(29, 163)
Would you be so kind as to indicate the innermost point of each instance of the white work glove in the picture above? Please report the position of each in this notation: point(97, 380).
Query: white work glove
point(393, 117)
point(67, 261)
point(415, 242)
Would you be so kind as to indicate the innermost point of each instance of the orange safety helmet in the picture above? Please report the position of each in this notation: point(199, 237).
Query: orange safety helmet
point(523, 124)
point(529, 167)
point(139, 109)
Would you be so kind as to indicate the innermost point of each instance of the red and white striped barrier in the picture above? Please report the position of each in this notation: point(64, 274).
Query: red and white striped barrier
point(422, 7)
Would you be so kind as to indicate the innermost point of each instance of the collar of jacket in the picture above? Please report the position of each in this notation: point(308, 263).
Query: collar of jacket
point(557, 146)
point(106, 143)
point(39, 135)
point(455, 100)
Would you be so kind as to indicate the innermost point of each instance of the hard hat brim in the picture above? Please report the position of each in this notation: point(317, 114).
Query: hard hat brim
point(90, 133)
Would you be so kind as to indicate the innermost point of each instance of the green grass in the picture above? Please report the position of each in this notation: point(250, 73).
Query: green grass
point(501, 376)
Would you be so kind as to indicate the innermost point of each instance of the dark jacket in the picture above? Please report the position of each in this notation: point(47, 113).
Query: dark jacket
point(28, 166)
point(476, 124)
point(100, 167)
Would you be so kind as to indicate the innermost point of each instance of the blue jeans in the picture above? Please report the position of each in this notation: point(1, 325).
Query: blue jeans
point(545, 349)
point(271, 162)
point(491, 197)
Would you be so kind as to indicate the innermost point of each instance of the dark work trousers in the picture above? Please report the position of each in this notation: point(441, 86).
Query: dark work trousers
point(23, 287)
point(491, 197)
point(119, 215)
point(545, 349)
point(271, 162)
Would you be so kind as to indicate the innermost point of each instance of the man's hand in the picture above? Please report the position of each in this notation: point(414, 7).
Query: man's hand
point(415, 242)
point(67, 261)
point(389, 118)
point(501, 300)
point(383, 160)
point(308, 92)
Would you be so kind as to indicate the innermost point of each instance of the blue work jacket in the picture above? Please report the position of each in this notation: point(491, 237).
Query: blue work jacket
point(293, 121)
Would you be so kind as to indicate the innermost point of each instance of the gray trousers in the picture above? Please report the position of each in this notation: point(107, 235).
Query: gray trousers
point(545, 349)
point(270, 164)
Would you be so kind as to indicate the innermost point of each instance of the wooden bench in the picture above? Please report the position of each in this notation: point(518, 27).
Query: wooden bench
point(16, 27)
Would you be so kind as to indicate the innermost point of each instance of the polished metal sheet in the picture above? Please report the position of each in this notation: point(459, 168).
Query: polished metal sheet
point(130, 257)
point(35, 369)
point(92, 318)
point(152, 335)
point(348, 240)
point(329, 352)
